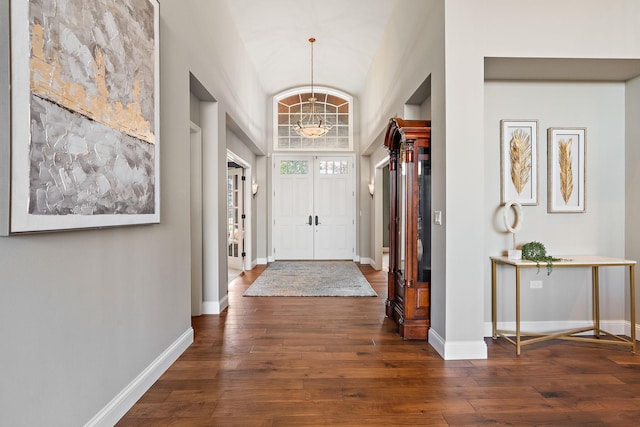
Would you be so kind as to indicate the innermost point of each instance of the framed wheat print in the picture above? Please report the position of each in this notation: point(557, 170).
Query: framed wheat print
point(84, 114)
point(519, 161)
point(566, 160)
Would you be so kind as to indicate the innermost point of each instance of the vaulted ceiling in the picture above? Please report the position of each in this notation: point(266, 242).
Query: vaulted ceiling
point(276, 33)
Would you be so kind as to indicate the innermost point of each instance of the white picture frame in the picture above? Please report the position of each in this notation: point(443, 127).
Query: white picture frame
point(97, 164)
point(566, 170)
point(519, 161)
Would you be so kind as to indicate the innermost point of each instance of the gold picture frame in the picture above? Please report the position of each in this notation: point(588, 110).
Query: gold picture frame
point(566, 170)
point(519, 161)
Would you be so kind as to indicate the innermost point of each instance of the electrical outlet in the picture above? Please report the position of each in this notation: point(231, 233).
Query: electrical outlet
point(535, 284)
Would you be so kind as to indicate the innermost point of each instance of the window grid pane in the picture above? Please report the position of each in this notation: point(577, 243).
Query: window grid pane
point(331, 167)
point(294, 167)
point(293, 108)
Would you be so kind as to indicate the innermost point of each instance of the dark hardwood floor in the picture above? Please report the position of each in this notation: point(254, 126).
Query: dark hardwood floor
point(337, 362)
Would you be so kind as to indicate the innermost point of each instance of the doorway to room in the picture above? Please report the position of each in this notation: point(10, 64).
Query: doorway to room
point(235, 218)
point(313, 207)
point(238, 216)
point(380, 202)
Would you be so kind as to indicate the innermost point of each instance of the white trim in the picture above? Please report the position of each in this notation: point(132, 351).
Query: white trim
point(617, 327)
point(215, 307)
point(119, 405)
point(365, 260)
point(224, 303)
point(436, 341)
point(196, 221)
point(377, 211)
point(262, 261)
point(458, 350)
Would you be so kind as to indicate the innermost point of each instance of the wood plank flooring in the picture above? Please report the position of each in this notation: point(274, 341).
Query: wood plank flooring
point(338, 362)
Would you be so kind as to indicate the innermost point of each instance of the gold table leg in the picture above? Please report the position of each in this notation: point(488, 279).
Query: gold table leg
point(595, 281)
point(518, 310)
point(632, 306)
point(494, 309)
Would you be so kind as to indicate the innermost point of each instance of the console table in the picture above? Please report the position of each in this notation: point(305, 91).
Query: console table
point(594, 262)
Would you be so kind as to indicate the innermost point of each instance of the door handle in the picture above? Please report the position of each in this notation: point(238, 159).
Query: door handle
point(317, 220)
point(310, 220)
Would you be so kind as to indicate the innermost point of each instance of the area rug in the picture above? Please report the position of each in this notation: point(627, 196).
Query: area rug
point(311, 279)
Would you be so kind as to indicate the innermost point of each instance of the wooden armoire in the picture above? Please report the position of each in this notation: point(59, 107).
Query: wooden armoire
point(409, 279)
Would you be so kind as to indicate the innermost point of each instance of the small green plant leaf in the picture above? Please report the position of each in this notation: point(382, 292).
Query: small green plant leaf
point(535, 251)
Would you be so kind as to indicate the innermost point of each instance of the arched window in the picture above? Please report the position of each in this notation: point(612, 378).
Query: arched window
point(335, 106)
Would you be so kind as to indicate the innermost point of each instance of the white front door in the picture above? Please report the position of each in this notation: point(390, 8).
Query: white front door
point(314, 204)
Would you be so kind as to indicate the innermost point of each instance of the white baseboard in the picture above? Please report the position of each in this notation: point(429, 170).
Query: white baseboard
point(478, 349)
point(460, 350)
point(617, 327)
point(119, 405)
point(224, 303)
point(436, 341)
point(215, 307)
point(367, 261)
point(261, 261)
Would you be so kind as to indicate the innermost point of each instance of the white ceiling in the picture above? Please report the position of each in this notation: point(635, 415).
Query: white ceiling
point(349, 33)
point(276, 33)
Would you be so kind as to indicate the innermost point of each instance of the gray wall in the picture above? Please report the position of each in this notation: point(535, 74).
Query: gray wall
point(600, 107)
point(462, 144)
point(504, 34)
point(83, 313)
point(632, 172)
point(405, 59)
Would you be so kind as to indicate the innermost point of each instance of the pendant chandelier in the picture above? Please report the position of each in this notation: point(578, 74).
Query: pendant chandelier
point(312, 124)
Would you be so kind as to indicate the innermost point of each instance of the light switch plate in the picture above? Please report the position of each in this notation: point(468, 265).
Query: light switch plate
point(437, 217)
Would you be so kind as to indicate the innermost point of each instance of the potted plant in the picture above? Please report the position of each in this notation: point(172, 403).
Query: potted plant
point(535, 251)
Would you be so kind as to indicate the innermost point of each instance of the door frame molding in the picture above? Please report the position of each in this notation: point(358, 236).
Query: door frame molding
point(248, 230)
point(377, 207)
point(196, 208)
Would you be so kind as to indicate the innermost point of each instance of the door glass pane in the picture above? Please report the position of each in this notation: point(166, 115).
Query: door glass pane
point(294, 167)
point(333, 167)
point(234, 214)
point(330, 168)
point(402, 204)
point(424, 215)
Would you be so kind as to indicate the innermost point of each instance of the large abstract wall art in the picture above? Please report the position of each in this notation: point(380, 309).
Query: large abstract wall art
point(84, 114)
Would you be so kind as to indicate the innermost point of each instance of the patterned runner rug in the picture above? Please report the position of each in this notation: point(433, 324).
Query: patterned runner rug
point(311, 279)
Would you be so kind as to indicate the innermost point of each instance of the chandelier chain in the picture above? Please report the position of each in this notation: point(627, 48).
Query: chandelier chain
point(312, 125)
point(312, 40)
